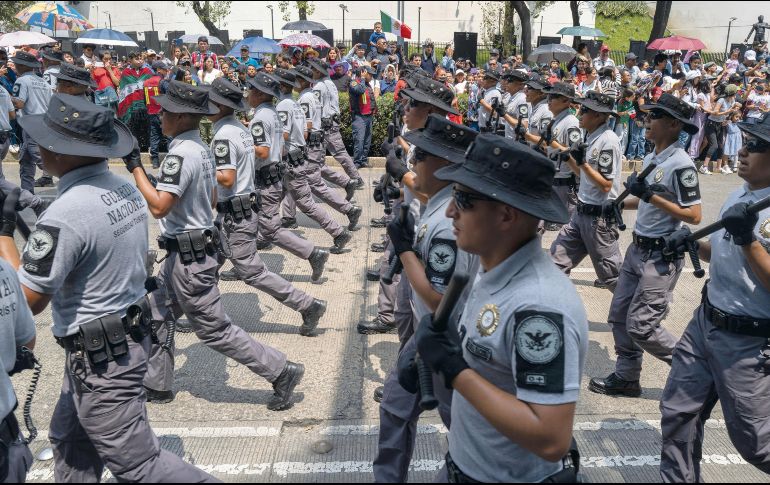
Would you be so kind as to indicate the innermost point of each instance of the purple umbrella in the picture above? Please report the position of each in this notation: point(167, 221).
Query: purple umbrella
point(304, 40)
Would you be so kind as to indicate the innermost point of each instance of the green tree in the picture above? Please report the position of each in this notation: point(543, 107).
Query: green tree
point(660, 20)
point(209, 13)
point(304, 9)
point(8, 11)
point(525, 17)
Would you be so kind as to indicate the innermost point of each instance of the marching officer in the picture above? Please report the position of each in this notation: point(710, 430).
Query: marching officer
point(51, 61)
point(327, 95)
point(430, 256)
point(183, 202)
point(312, 174)
point(86, 258)
point(515, 359)
point(233, 150)
point(489, 101)
point(668, 196)
point(591, 231)
point(540, 116)
point(30, 96)
point(363, 107)
point(561, 133)
point(724, 354)
point(73, 80)
point(517, 104)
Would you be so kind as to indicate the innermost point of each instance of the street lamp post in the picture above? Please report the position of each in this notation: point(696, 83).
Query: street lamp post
point(152, 18)
point(727, 42)
point(109, 16)
point(272, 26)
point(419, 18)
point(344, 9)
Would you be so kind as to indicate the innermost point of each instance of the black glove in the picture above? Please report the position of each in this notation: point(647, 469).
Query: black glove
point(737, 220)
point(386, 147)
point(377, 194)
point(638, 187)
point(440, 351)
point(676, 242)
point(500, 109)
point(578, 152)
point(401, 235)
point(608, 210)
point(134, 159)
point(9, 212)
point(395, 167)
point(408, 375)
point(394, 192)
point(520, 131)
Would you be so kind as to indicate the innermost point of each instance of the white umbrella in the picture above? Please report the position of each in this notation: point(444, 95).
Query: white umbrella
point(24, 37)
point(106, 37)
point(193, 39)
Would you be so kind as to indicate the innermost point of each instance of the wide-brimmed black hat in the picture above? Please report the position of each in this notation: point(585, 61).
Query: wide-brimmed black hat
point(75, 126)
point(286, 77)
point(675, 108)
point(561, 89)
point(761, 130)
point(304, 72)
point(318, 65)
point(515, 75)
point(435, 93)
point(368, 68)
point(537, 82)
point(74, 74)
point(511, 173)
point(415, 75)
point(599, 102)
point(492, 74)
point(159, 65)
point(225, 93)
point(265, 83)
point(442, 138)
point(184, 98)
point(52, 55)
point(25, 59)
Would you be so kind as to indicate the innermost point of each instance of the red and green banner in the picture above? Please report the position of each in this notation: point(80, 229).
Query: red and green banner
point(131, 91)
point(395, 26)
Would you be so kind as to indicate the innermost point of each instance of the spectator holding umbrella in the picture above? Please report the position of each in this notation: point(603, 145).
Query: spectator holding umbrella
point(199, 57)
point(582, 51)
point(107, 78)
point(88, 55)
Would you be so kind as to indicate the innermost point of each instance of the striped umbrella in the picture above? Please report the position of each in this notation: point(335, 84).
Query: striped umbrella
point(304, 40)
point(53, 16)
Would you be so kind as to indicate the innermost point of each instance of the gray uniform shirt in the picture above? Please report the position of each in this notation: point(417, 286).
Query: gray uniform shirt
point(17, 327)
point(50, 76)
point(88, 248)
point(525, 331)
point(512, 108)
point(321, 91)
point(734, 288)
point(267, 131)
point(233, 149)
point(539, 118)
point(188, 172)
point(677, 180)
point(332, 95)
point(565, 131)
point(436, 247)
point(311, 107)
point(34, 91)
point(603, 154)
point(6, 106)
point(489, 96)
point(294, 122)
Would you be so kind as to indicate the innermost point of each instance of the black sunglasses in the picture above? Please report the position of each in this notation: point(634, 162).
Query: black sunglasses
point(419, 155)
point(584, 110)
point(657, 115)
point(755, 145)
point(413, 103)
point(554, 97)
point(464, 200)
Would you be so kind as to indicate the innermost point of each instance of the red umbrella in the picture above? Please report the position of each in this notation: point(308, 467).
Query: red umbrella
point(304, 40)
point(677, 43)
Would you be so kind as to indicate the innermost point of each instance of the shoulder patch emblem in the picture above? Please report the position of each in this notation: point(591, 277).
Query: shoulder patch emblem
point(689, 178)
point(488, 320)
point(523, 110)
point(441, 258)
point(544, 124)
point(306, 109)
point(40, 250)
point(317, 94)
point(221, 152)
point(764, 229)
point(284, 117)
point(39, 245)
point(555, 132)
point(574, 135)
point(170, 170)
point(258, 132)
point(538, 339)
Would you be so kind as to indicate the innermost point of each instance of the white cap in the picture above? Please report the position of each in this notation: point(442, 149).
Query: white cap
point(750, 55)
point(692, 74)
point(150, 51)
point(459, 71)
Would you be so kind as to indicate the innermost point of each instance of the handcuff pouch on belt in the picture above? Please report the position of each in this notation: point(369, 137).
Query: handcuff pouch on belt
point(239, 207)
point(269, 175)
point(5, 135)
point(192, 245)
point(315, 139)
point(105, 339)
point(326, 124)
point(296, 156)
point(9, 432)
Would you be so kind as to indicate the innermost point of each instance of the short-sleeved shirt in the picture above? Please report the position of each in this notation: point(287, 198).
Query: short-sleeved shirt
point(322, 96)
point(311, 107)
point(6, 107)
point(677, 177)
point(233, 149)
point(266, 131)
point(50, 76)
point(539, 118)
point(34, 91)
point(734, 287)
point(103, 79)
point(332, 95)
point(489, 96)
point(603, 155)
point(188, 172)
point(722, 104)
point(88, 248)
point(17, 327)
point(436, 246)
point(525, 331)
point(565, 130)
point(293, 122)
point(512, 108)
point(758, 101)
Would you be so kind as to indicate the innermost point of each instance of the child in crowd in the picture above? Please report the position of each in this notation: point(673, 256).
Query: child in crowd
point(626, 113)
point(376, 35)
point(734, 140)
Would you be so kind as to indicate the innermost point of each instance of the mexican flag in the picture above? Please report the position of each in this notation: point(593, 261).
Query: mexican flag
point(394, 26)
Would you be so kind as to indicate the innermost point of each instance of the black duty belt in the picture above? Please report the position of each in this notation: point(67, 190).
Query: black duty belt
point(649, 243)
point(565, 181)
point(9, 429)
point(455, 474)
point(239, 207)
point(295, 156)
point(567, 475)
point(269, 175)
point(486, 130)
point(315, 139)
point(590, 209)
point(754, 327)
point(192, 245)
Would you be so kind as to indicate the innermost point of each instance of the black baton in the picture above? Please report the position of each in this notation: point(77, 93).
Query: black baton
point(396, 265)
point(440, 322)
point(624, 195)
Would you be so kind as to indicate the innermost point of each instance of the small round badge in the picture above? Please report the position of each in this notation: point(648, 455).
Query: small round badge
point(488, 320)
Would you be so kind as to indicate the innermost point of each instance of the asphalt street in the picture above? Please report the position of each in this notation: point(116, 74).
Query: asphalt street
point(219, 420)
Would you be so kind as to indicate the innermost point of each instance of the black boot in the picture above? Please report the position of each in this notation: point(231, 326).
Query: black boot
point(317, 262)
point(311, 317)
point(374, 327)
point(229, 276)
point(341, 241)
point(289, 223)
point(372, 275)
point(354, 215)
point(378, 223)
point(377, 248)
point(264, 246)
point(613, 385)
point(283, 387)
point(359, 184)
point(44, 181)
point(158, 397)
point(350, 189)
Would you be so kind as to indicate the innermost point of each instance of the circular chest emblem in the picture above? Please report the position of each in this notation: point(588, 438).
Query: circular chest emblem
point(488, 320)
point(441, 258)
point(257, 130)
point(221, 150)
point(39, 245)
point(171, 165)
point(421, 233)
point(658, 175)
point(574, 136)
point(538, 340)
point(764, 229)
point(689, 178)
